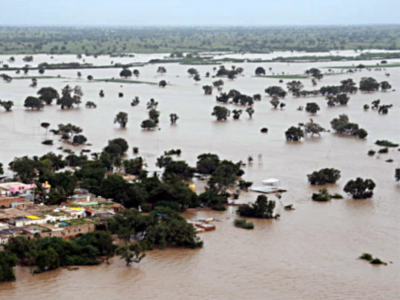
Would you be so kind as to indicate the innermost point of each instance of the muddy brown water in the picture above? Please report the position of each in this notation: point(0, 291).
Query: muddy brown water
point(310, 253)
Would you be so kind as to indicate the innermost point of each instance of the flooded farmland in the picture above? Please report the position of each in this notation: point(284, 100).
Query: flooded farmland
point(309, 253)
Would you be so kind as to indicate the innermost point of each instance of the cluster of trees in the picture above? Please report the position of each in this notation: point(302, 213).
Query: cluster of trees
point(154, 116)
point(126, 73)
point(381, 108)
point(45, 254)
point(69, 132)
point(369, 84)
point(69, 98)
point(222, 113)
point(276, 91)
point(339, 99)
point(236, 97)
point(358, 188)
point(230, 74)
point(162, 227)
point(262, 208)
point(314, 72)
point(343, 126)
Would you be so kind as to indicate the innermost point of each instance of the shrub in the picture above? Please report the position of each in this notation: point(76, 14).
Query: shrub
point(336, 196)
point(244, 224)
point(322, 195)
point(384, 150)
point(264, 130)
point(47, 142)
point(366, 256)
point(371, 152)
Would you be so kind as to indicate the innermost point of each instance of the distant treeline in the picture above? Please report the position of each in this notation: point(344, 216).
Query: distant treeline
point(74, 40)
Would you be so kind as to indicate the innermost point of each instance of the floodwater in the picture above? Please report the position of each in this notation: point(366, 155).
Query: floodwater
point(310, 253)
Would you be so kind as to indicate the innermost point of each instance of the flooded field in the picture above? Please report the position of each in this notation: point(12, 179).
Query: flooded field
point(310, 253)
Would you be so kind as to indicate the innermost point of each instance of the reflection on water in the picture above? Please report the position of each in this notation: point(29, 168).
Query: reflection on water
point(310, 253)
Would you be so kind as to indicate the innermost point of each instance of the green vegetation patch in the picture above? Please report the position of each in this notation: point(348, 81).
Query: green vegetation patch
point(244, 224)
point(284, 76)
point(125, 81)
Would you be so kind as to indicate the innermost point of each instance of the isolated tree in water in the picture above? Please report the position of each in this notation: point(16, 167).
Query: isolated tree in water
point(294, 134)
point(122, 119)
point(33, 103)
point(161, 70)
point(324, 176)
point(360, 188)
point(221, 113)
point(45, 125)
point(218, 84)
point(48, 94)
point(312, 107)
point(173, 118)
point(237, 113)
point(260, 71)
point(250, 111)
point(312, 128)
point(125, 73)
point(275, 102)
point(207, 89)
point(148, 124)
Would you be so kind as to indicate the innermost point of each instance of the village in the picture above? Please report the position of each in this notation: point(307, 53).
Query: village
point(80, 214)
point(20, 215)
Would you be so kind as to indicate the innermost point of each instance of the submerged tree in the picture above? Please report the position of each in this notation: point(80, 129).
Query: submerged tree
point(221, 113)
point(312, 107)
point(360, 188)
point(148, 124)
point(161, 70)
point(131, 253)
point(33, 103)
point(262, 208)
point(218, 84)
point(313, 128)
point(275, 102)
point(173, 118)
point(45, 125)
point(236, 113)
point(125, 73)
point(122, 119)
point(260, 71)
point(7, 105)
point(324, 176)
point(276, 91)
point(207, 89)
point(250, 110)
point(48, 94)
point(294, 134)
point(90, 104)
point(369, 84)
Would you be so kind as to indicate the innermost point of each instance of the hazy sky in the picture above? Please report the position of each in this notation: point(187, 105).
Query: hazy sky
point(199, 12)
